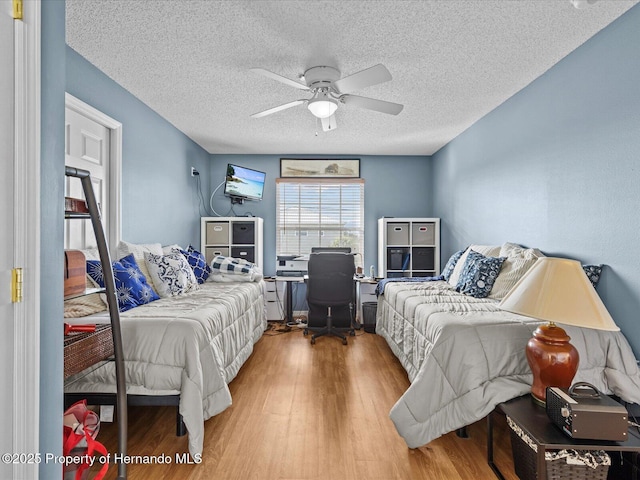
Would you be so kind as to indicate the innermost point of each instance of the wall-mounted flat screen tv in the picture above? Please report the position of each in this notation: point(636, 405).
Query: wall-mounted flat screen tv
point(244, 183)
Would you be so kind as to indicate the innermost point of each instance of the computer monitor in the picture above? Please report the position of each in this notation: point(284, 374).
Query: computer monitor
point(330, 249)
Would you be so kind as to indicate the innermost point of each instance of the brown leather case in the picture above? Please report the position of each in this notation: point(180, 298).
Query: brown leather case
point(75, 271)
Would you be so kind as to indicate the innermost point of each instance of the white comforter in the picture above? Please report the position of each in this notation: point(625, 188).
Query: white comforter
point(464, 356)
point(192, 345)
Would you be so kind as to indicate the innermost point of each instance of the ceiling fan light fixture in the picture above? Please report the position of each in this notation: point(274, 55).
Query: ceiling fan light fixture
point(322, 105)
point(580, 4)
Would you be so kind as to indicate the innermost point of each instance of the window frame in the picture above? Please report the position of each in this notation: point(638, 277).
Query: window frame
point(323, 228)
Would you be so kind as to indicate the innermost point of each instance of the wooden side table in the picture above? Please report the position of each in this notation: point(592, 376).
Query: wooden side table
point(533, 420)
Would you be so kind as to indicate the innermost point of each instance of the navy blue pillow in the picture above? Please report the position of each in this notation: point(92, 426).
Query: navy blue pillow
point(198, 263)
point(479, 274)
point(451, 264)
point(132, 288)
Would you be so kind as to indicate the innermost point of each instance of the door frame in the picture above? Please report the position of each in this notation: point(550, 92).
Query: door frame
point(26, 370)
point(115, 165)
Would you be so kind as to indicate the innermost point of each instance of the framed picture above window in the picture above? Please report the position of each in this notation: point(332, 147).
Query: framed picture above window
point(319, 168)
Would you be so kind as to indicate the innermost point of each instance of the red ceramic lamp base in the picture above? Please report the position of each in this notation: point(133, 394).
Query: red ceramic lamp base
point(553, 360)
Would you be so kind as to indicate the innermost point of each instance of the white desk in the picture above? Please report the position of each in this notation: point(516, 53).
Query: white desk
point(365, 292)
point(289, 294)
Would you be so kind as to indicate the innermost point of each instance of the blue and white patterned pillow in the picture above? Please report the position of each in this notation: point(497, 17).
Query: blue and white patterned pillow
point(171, 274)
point(451, 264)
point(479, 274)
point(593, 273)
point(231, 265)
point(132, 288)
point(199, 265)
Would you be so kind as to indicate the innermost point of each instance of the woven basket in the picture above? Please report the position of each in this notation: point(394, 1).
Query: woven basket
point(525, 461)
point(84, 349)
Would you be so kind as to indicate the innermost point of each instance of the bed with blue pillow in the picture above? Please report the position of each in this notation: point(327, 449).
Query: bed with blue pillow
point(187, 328)
point(463, 355)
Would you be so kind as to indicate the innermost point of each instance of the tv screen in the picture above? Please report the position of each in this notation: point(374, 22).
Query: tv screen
point(244, 182)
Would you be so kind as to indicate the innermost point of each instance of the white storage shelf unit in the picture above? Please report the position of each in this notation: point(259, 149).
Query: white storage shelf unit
point(408, 247)
point(238, 237)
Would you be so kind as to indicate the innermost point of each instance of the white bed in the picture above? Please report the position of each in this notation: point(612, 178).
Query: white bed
point(192, 345)
point(464, 355)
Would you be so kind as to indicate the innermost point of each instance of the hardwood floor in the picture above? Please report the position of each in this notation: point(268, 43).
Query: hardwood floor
point(310, 412)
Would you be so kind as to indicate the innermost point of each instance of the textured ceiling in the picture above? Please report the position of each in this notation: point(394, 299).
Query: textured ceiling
point(452, 62)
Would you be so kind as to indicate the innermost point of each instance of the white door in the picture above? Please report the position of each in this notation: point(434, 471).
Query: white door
point(19, 235)
point(6, 232)
point(87, 145)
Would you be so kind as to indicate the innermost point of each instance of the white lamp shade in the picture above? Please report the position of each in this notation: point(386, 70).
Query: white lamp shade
point(557, 290)
point(322, 106)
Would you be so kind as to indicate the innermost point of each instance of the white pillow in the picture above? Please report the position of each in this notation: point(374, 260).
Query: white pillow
point(486, 250)
point(167, 249)
point(509, 249)
point(171, 274)
point(519, 260)
point(138, 250)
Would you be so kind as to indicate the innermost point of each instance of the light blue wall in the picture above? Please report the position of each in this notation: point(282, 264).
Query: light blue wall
point(394, 187)
point(159, 196)
point(557, 167)
point(51, 225)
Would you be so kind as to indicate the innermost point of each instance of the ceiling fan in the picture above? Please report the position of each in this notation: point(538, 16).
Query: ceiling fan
point(329, 90)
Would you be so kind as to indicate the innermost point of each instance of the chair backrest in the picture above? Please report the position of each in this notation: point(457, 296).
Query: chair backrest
point(330, 279)
point(330, 249)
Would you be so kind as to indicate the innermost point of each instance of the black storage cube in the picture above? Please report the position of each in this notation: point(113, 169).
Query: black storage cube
point(424, 258)
point(243, 233)
point(394, 258)
point(246, 253)
point(369, 311)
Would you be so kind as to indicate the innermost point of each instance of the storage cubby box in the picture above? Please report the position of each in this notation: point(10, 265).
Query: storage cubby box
point(408, 247)
point(238, 237)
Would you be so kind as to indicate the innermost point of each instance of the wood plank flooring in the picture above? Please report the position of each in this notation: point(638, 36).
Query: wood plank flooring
point(303, 412)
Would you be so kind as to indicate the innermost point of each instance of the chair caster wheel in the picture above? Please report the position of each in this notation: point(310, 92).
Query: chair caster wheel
point(352, 333)
point(313, 341)
point(305, 332)
point(344, 341)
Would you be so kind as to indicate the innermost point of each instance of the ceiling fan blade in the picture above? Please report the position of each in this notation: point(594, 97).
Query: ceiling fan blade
point(365, 78)
point(329, 123)
point(372, 104)
point(278, 108)
point(279, 78)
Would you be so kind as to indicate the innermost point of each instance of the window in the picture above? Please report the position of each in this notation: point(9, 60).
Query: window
point(319, 213)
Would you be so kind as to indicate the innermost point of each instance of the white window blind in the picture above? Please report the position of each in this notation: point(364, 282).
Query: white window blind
point(319, 213)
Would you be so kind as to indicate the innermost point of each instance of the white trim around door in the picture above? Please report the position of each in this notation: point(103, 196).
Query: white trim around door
point(115, 165)
point(26, 375)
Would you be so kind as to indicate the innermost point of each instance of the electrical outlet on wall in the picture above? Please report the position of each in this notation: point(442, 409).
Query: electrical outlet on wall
point(194, 172)
point(106, 413)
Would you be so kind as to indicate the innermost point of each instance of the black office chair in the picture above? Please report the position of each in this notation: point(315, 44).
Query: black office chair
point(330, 285)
